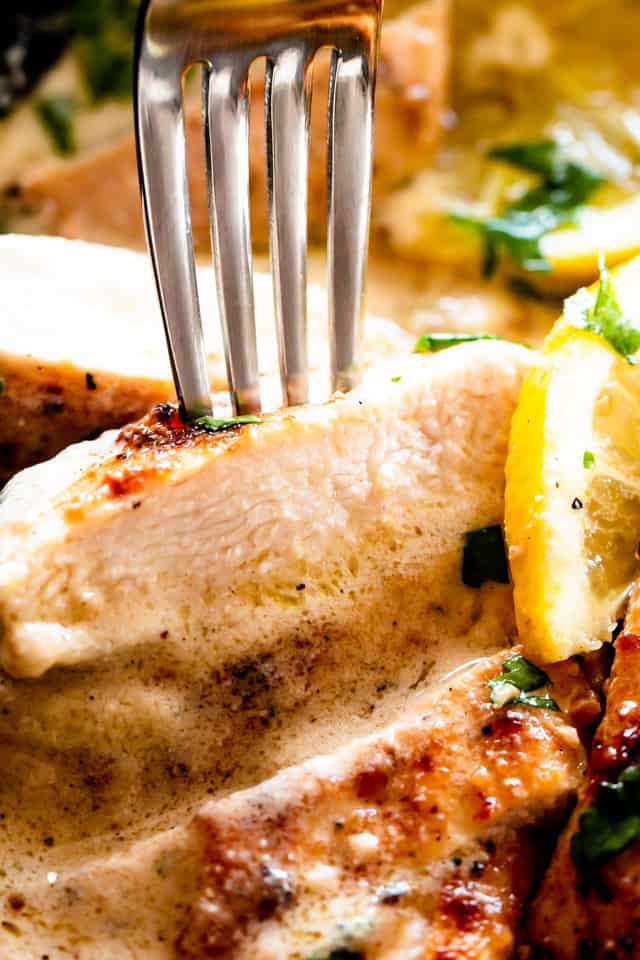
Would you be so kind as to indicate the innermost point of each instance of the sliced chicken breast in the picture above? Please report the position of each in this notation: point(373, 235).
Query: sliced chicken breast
point(416, 843)
point(229, 543)
point(82, 348)
point(588, 907)
point(420, 841)
point(75, 197)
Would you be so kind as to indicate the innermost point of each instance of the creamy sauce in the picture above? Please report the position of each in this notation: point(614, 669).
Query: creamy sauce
point(102, 767)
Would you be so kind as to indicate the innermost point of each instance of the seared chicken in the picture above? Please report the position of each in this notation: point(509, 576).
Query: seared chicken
point(95, 196)
point(233, 542)
point(588, 907)
point(420, 841)
point(415, 843)
point(82, 348)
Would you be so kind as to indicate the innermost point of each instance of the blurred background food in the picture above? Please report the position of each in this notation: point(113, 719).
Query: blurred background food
point(508, 138)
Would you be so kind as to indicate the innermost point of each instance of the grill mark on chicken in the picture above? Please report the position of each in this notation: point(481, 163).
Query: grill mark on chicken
point(444, 802)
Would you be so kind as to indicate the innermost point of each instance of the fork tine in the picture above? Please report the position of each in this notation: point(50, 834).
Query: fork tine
point(226, 125)
point(288, 99)
point(165, 198)
point(349, 193)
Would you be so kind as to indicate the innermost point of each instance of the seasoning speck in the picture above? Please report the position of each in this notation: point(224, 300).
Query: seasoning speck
point(576, 503)
point(89, 380)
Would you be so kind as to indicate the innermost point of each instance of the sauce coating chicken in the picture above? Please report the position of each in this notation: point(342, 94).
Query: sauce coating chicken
point(419, 842)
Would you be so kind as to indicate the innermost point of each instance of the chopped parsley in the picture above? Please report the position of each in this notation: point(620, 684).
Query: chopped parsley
point(56, 114)
point(605, 318)
point(434, 342)
point(104, 45)
point(588, 460)
point(396, 379)
point(565, 186)
point(212, 425)
point(1, 385)
point(610, 823)
point(518, 679)
point(484, 557)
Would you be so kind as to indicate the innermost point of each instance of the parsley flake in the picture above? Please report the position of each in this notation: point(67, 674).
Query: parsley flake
point(588, 460)
point(213, 425)
point(434, 342)
point(56, 114)
point(519, 678)
point(484, 557)
point(610, 823)
point(605, 318)
point(565, 187)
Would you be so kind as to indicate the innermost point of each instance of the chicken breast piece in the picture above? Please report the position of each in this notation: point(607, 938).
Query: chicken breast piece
point(82, 347)
point(417, 842)
point(590, 910)
point(75, 197)
point(410, 843)
point(168, 530)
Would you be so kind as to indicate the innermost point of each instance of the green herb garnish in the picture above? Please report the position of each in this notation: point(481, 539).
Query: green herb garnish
point(605, 318)
point(565, 187)
point(520, 677)
point(56, 114)
point(396, 379)
point(433, 342)
point(588, 460)
point(1, 385)
point(212, 425)
point(484, 557)
point(610, 823)
point(104, 45)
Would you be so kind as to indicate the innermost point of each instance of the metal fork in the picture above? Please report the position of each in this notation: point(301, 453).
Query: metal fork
point(226, 37)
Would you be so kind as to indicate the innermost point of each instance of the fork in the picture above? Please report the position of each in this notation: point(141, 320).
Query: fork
point(226, 37)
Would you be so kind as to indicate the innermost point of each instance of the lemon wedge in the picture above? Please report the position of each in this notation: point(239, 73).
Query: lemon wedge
point(573, 252)
point(572, 498)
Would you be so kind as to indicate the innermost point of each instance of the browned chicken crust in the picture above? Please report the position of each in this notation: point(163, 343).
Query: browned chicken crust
point(427, 830)
point(597, 917)
point(76, 198)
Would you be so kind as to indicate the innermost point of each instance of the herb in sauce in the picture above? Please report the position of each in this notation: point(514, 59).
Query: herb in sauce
point(588, 460)
point(211, 425)
point(104, 31)
point(56, 114)
point(519, 678)
point(484, 557)
point(434, 342)
point(1, 385)
point(605, 318)
point(610, 823)
point(565, 187)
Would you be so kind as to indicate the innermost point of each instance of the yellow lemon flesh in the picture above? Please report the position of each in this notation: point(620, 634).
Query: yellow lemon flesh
point(572, 499)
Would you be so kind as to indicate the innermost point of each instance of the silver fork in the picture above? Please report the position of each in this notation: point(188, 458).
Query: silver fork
point(226, 37)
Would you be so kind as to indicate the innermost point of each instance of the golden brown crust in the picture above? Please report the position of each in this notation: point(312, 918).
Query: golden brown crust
point(597, 917)
point(96, 196)
point(46, 408)
point(446, 801)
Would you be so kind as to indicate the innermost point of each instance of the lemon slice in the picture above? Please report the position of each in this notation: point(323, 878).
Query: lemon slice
point(572, 498)
point(573, 252)
point(417, 222)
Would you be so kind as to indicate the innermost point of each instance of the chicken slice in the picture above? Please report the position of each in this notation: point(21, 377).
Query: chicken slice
point(75, 197)
point(419, 841)
point(230, 543)
point(415, 843)
point(82, 348)
point(593, 913)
